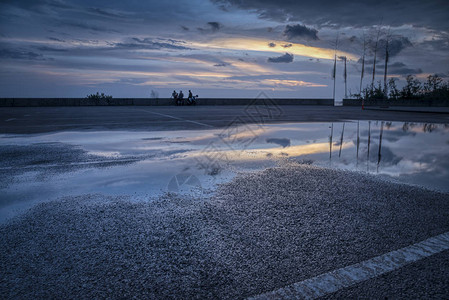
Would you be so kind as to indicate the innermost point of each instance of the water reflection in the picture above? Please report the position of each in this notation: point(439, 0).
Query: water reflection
point(408, 152)
point(411, 153)
point(358, 142)
point(379, 155)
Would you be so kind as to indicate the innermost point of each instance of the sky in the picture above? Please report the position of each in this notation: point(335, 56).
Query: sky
point(216, 48)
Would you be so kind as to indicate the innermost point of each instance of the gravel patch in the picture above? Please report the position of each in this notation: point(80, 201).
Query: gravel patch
point(100, 247)
point(260, 232)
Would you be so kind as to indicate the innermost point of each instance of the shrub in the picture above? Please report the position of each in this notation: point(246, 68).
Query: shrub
point(433, 88)
point(97, 98)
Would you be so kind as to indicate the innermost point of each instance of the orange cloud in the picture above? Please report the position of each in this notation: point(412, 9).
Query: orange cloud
point(253, 44)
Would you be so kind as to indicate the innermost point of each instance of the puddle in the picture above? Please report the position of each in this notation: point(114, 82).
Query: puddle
point(196, 161)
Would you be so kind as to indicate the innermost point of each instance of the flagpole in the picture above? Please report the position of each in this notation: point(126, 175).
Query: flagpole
point(335, 66)
point(386, 65)
point(363, 71)
point(346, 86)
point(335, 69)
point(375, 56)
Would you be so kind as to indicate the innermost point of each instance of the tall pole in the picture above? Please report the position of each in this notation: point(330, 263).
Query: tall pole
point(363, 71)
point(375, 57)
point(358, 140)
point(363, 64)
point(330, 141)
point(386, 67)
point(333, 75)
point(335, 67)
point(341, 139)
point(369, 145)
point(379, 154)
point(345, 75)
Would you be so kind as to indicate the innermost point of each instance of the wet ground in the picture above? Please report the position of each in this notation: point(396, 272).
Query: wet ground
point(48, 119)
point(44, 167)
point(233, 202)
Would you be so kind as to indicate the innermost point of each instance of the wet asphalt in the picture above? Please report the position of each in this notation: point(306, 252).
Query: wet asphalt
point(48, 119)
point(260, 232)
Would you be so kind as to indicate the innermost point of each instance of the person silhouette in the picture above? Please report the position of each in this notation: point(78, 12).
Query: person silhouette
point(174, 95)
point(181, 97)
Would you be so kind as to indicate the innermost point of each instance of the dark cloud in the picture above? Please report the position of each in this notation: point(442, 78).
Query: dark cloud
point(262, 77)
point(300, 31)
point(397, 65)
point(86, 26)
point(271, 45)
point(404, 71)
point(153, 44)
point(214, 25)
point(222, 65)
point(77, 33)
point(388, 157)
point(443, 75)
point(439, 43)
point(284, 142)
point(211, 27)
point(394, 136)
point(39, 6)
point(213, 60)
point(104, 12)
point(286, 58)
point(395, 46)
point(56, 39)
point(20, 54)
point(397, 68)
point(50, 49)
point(357, 13)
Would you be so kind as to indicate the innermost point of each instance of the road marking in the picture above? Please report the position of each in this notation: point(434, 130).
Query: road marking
point(345, 277)
point(12, 119)
point(176, 118)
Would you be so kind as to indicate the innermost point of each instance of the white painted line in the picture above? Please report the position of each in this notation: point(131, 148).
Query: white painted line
point(341, 278)
point(176, 118)
point(12, 119)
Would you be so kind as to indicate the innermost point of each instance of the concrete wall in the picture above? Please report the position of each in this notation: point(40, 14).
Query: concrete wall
point(27, 102)
point(402, 102)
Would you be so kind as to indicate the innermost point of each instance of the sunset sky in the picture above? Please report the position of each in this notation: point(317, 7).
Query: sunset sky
point(217, 48)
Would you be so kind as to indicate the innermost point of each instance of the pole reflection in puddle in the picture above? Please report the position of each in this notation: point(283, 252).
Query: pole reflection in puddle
point(341, 139)
point(330, 141)
point(379, 155)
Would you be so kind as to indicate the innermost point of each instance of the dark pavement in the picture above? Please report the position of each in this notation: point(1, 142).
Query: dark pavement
point(258, 233)
point(48, 119)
